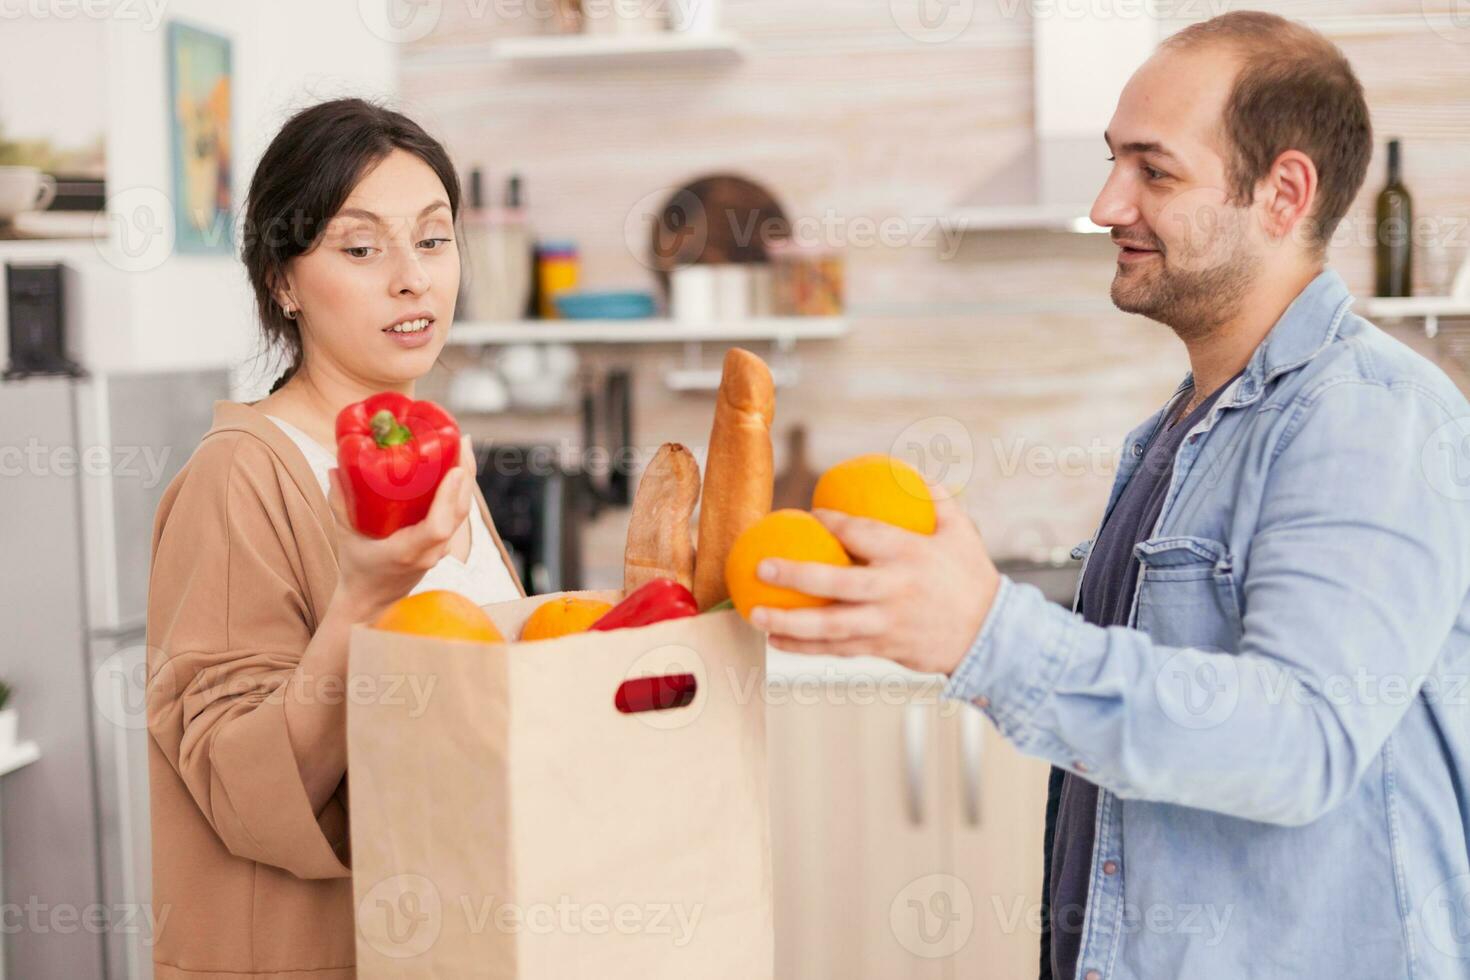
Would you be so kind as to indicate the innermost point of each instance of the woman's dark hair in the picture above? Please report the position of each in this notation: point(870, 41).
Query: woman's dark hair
point(302, 180)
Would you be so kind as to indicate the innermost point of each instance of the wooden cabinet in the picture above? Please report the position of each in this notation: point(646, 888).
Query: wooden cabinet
point(995, 799)
point(906, 836)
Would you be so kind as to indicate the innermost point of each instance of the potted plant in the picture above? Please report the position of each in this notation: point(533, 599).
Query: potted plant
point(7, 718)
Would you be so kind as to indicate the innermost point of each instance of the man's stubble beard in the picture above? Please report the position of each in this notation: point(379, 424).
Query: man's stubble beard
point(1191, 302)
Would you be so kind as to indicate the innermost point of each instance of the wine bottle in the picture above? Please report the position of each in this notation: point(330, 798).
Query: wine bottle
point(1395, 219)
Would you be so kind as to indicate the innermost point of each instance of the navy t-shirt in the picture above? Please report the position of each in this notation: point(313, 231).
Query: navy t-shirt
point(1106, 600)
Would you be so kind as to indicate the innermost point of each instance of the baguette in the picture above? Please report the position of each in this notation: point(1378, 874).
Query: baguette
point(660, 544)
point(739, 475)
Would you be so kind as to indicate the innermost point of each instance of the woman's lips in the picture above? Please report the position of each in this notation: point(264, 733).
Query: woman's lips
point(411, 340)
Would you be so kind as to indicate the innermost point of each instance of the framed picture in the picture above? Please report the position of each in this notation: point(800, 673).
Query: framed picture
point(200, 115)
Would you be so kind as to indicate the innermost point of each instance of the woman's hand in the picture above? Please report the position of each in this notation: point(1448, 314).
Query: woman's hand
point(373, 573)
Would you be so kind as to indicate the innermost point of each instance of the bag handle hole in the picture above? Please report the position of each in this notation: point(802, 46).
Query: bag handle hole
point(662, 693)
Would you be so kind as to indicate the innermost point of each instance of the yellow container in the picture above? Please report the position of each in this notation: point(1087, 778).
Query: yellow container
point(557, 270)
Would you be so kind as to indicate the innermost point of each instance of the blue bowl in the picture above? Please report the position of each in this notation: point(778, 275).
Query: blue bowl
point(605, 306)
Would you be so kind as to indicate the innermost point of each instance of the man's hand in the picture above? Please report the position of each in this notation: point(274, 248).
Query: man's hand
point(916, 599)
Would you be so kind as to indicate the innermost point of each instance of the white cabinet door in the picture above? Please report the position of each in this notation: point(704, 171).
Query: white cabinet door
point(855, 812)
point(995, 813)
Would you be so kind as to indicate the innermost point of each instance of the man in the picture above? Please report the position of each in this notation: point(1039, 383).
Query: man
point(1259, 715)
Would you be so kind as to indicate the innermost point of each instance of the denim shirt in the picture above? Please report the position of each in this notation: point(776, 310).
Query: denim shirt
point(1282, 738)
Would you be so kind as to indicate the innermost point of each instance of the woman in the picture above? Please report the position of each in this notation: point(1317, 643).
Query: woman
point(258, 577)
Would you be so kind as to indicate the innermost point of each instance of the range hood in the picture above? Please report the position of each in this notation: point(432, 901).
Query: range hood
point(1081, 60)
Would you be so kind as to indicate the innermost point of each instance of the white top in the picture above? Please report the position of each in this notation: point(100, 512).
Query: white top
point(482, 577)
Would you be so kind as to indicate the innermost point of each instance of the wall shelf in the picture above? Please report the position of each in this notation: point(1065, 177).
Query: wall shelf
point(691, 374)
point(784, 331)
point(1430, 309)
point(629, 50)
point(18, 756)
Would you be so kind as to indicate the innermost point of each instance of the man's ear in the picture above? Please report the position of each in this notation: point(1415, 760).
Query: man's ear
point(1289, 192)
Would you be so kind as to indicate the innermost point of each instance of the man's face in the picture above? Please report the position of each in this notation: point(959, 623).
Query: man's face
point(1188, 254)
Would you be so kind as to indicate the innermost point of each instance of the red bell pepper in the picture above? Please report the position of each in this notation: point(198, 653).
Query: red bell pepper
point(653, 602)
point(392, 453)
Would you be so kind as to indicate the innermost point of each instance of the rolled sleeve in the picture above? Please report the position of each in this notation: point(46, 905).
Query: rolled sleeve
point(261, 810)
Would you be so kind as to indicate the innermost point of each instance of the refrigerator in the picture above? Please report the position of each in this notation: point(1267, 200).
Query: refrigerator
point(85, 463)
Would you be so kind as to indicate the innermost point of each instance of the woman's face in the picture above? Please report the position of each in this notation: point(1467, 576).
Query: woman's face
point(388, 256)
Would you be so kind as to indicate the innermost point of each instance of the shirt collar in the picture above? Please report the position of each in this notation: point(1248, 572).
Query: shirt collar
point(1309, 324)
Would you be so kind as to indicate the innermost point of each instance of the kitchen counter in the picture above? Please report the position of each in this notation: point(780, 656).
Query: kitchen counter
point(1057, 582)
point(787, 668)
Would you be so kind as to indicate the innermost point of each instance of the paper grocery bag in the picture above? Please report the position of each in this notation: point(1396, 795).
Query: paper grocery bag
point(509, 821)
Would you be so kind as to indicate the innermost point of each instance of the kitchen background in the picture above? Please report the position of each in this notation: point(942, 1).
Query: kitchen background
point(998, 354)
point(993, 358)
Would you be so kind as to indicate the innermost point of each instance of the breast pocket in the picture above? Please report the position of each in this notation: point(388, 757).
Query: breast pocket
point(1187, 593)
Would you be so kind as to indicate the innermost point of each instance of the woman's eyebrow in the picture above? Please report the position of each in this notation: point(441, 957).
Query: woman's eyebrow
point(377, 219)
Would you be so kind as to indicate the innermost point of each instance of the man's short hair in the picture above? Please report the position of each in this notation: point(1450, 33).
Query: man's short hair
point(1295, 91)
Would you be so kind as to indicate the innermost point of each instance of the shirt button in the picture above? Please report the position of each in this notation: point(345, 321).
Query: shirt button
point(1137, 449)
point(982, 702)
point(1093, 975)
point(1079, 766)
point(1110, 867)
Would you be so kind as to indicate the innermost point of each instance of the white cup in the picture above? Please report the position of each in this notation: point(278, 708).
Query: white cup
point(24, 189)
point(732, 291)
point(614, 17)
point(692, 296)
point(693, 16)
point(762, 297)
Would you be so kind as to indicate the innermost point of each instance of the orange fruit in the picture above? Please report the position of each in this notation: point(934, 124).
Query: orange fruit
point(793, 534)
point(881, 487)
point(563, 616)
point(440, 613)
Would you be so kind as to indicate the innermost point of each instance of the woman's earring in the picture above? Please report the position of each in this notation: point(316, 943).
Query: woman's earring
point(290, 313)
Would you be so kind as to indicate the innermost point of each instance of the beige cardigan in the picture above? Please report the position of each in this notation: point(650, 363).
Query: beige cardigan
point(246, 881)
